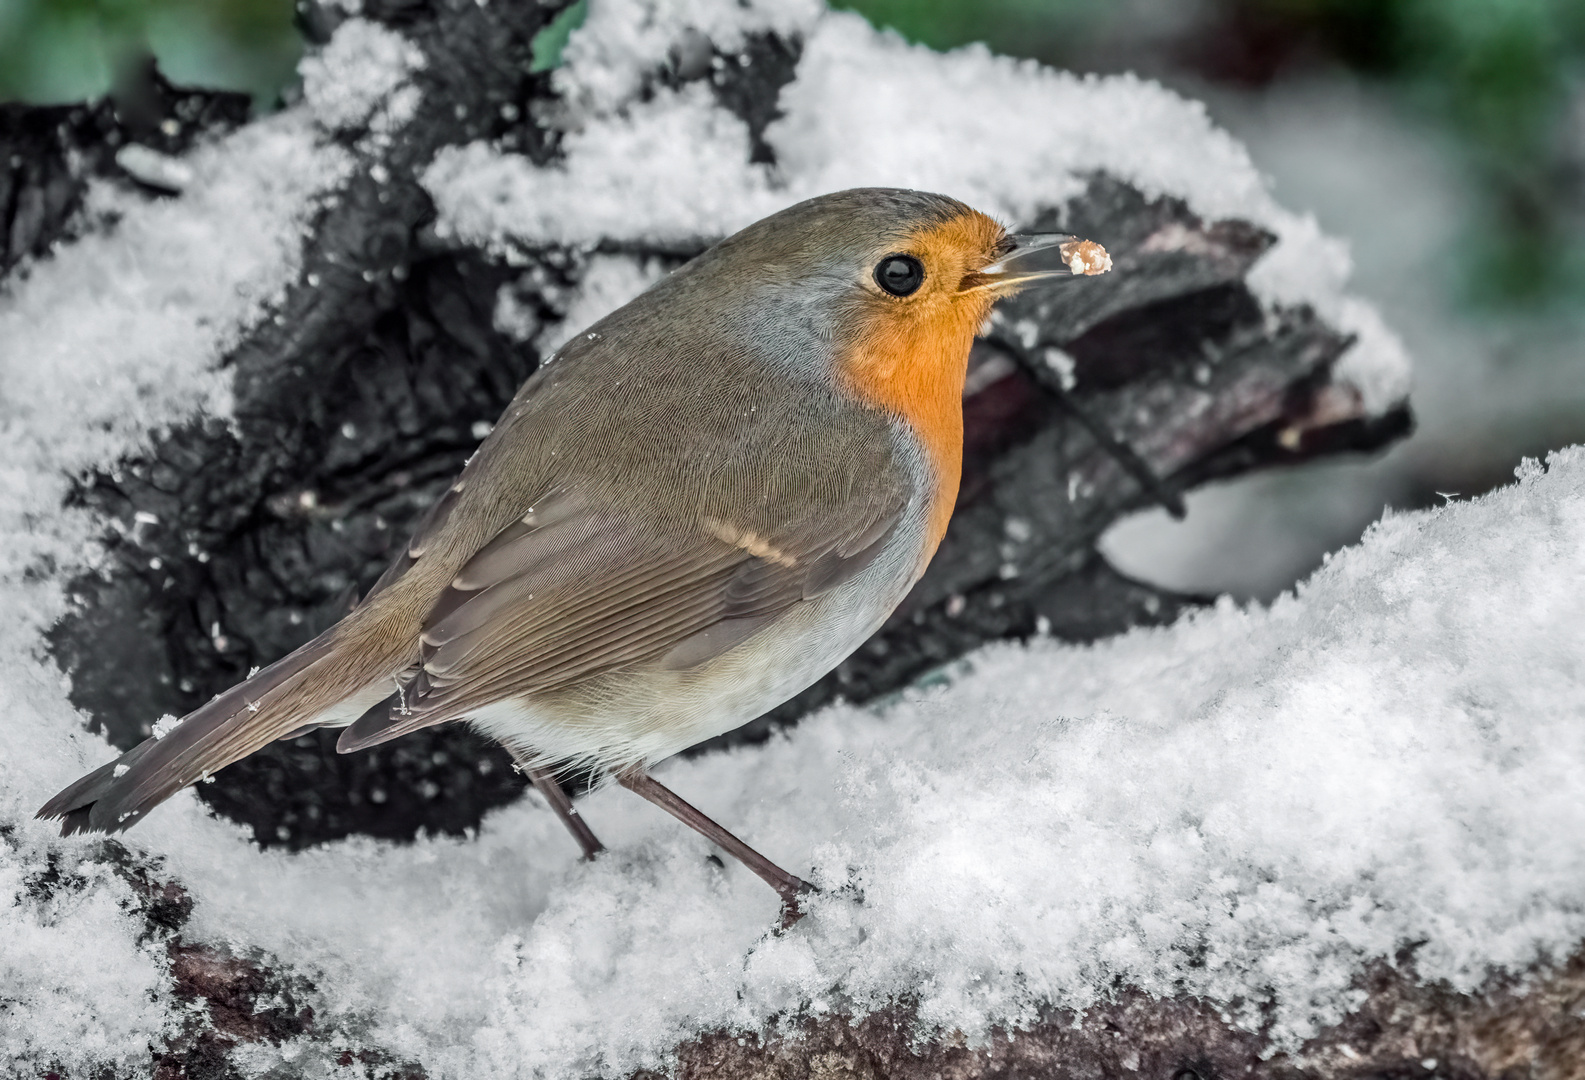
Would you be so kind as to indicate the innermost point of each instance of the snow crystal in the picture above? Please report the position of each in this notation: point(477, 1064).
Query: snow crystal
point(1066, 367)
point(512, 317)
point(154, 168)
point(866, 108)
point(362, 68)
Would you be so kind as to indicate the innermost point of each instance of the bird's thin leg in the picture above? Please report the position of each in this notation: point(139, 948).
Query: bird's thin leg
point(552, 790)
point(787, 886)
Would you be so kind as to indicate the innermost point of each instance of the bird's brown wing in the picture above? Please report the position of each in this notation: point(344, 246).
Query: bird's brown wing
point(574, 590)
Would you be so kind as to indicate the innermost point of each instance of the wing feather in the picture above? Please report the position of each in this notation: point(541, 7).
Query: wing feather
point(543, 607)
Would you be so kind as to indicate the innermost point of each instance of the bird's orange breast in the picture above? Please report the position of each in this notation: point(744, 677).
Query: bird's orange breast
point(912, 365)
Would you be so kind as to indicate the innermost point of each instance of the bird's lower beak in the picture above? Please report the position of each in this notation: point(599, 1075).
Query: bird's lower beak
point(1016, 269)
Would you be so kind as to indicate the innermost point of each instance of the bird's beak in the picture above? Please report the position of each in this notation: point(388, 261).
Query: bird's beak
point(1013, 270)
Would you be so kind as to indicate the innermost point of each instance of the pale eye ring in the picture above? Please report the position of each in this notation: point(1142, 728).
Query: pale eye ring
point(900, 275)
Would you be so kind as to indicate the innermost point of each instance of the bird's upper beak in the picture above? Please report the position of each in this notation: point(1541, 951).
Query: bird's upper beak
point(1014, 269)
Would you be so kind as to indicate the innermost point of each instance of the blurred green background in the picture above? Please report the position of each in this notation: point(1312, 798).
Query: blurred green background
point(1443, 139)
point(65, 50)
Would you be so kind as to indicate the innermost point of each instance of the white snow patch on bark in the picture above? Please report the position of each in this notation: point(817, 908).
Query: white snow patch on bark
point(363, 68)
point(77, 989)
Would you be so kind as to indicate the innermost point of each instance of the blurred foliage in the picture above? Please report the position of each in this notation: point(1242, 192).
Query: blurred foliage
point(549, 42)
point(66, 50)
point(1039, 28)
point(1506, 77)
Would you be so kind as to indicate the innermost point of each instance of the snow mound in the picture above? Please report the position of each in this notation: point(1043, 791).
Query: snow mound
point(1248, 806)
point(650, 163)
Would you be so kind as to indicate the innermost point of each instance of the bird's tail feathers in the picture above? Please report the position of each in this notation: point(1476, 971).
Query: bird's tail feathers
point(295, 692)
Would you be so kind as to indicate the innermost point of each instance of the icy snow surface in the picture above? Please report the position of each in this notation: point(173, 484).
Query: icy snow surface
point(1246, 805)
point(867, 109)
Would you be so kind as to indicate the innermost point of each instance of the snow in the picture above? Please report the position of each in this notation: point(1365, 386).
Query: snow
point(76, 986)
point(866, 108)
point(359, 74)
point(154, 168)
point(607, 58)
point(118, 335)
point(1247, 805)
point(608, 282)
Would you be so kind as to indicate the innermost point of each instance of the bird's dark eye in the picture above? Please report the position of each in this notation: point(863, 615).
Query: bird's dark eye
point(900, 275)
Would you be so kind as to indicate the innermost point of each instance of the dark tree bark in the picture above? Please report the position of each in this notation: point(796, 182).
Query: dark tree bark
point(358, 404)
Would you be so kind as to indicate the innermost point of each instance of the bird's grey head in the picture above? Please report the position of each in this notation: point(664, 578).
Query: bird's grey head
point(798, 283)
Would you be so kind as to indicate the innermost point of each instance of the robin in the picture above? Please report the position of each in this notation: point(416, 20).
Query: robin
point(692, 511)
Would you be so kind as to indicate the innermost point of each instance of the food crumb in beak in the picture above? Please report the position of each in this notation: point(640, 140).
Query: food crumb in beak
point(1086, 257)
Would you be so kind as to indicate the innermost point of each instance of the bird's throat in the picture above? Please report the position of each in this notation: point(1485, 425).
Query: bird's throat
point(914, 368)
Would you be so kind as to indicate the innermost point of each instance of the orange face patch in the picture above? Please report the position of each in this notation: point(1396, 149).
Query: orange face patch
point(908, 355)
